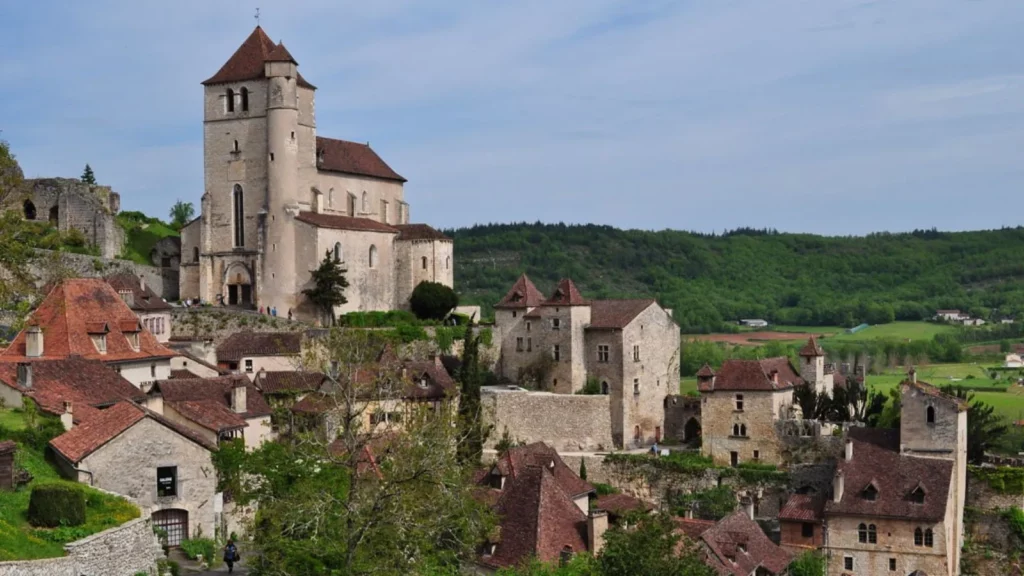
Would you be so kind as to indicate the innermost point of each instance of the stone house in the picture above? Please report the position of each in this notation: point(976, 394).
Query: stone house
point(188, 365)
point(74, 389)
point(251, 352)
point(166, 253)
point(543, 509)
point(70, 204)
point(802, 523)
point(628, 348)
point(740, 404)
point(222, 408)
point(166, 468)
point(736, 545)
point(898, 496)
point(278, 197)
point(86, 317)
point(152, 310)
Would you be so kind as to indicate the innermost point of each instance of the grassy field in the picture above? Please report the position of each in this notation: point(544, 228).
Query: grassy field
point(822, 330)
point(894, 330)
point(20, 541)
point(11, 420)
point(141, 238)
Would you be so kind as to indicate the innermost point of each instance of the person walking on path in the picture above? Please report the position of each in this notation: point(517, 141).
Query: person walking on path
point(230, 555)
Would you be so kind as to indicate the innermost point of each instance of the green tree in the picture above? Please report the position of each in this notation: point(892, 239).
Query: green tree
point(328, 289)
point(432, 300)
point(17, 237)
point(649, 546)
point(984, 427)
point(810, 563)
point(181, 214)
point(88, 176)
point(471, 375)
point(1005, 347)
point(583, 468)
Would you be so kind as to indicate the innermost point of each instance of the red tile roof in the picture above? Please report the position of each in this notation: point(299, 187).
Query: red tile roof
point(84, 439)
point(8, 446)
point(812, 348)
point(803, 508)
point(739, 546)
point(523, 294)
point(619, 504)
point(339, 222)
point(616, 314)
point(422, 381)
point(428, 380)
point(214, 391)
point(288, 382)
point(247, 62)
point(244, 344)
point(419, 232)
point(566, 294)
point(692, 528)
point(753, 375)
point(705, 371)
point(86, 384)
point(352, 158)
point(877, 461)
point(72, 310)
point(540, 454)
point(182, 375)
point(280, 54)
point(210, 415)
point(144, 299)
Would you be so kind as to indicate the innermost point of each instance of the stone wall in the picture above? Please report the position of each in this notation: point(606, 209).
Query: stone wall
point(72, 204)
point(124, 550)
point(679, 410)
point(982, 496)
point(51, 266)
point(217, 323)
point(567, 422)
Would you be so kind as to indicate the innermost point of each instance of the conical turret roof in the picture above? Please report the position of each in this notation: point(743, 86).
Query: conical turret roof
point(523, 294)
point(247, 62)
point(566, 294)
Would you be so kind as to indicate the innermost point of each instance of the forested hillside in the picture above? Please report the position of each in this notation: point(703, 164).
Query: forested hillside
point(796, 279)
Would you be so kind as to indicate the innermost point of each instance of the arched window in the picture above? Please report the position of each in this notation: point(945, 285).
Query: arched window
point(30, 210)
point(743, 429)
point(862, 533)
point(373, 256)
point(229, 100)
point(931, 414)
point(366, 203)
point(238, 199)
point(604, 387)
point(235, 149)
point(424, 260)
point(244, 93)
point(54, 215)
point(636, 432)
point(929, 539)
point(565, 555)
point(735, 429)
point(918, 537)
point(872, 534)
point(448, 263)
point(337, 252)
point(195, 254)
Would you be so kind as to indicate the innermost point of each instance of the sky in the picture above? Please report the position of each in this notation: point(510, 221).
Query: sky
point(825, 116)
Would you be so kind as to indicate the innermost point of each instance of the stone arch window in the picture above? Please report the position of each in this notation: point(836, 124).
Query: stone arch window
point(424, 261)
point(604, 387)
point(235, 146)
point(929, 538)
point(337, 252)
point(447, 262)
point(29, 209)
point(743, 429)
point(918, 537)
point(373, 256)
point(229, 100)
point(862, 533)
point(366, 202)
point(54, 215)
point(930, 414)
point(238, 201)
point(636, 433)
point(195, 254)
point(872, 534)
point(735, 429)
point(244, 94)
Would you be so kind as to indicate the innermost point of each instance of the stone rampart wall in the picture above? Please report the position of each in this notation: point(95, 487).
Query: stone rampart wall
point(51, 266)
point(121, 551)
point(567, 422)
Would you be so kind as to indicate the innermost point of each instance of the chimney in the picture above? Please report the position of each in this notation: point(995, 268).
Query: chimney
point(688, 513)
point(912, 375)
point(128, 297)
point(748, 507)
point(238, 397)
point(261, 376)
point(837, 487)
point(34, 342)
point(849, 450)
point(775, 376)
point(597, 525)
point(25, 375)
point(142, 282)
point(67, 418)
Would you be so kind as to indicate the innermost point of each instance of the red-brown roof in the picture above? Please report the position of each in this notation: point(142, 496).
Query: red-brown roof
point(352, 158)
point(86, 438)
point(144, 299)
point(753, 375)
point(619, 504)
point(877, 461)
point(213, 416)
point(7, 446)
point(339, 222)
point(288, 382)
point(426, 380)
point(566, 294)
point(244, 344)
point(540, 454)
point(281, 54)
point(739, 546)
point(182, 375)
point(812, 348)
point(616, 314)
point(705, 371)
point(523, 294)
point(213, 391)
point(86, 384)
point(419, 232)
point(72, 310)
point(936, 392)
point(803, 508)
point(692, 528)
point(247, 62)
point(192, 357)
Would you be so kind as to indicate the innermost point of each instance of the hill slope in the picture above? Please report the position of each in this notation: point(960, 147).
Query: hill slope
point(786, 278)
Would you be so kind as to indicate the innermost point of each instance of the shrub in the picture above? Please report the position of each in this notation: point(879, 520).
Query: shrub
point(196, 546)
point(432, 300)
point(168, 567)
point(57, 504)
point(1015, 517)
point(604, 489)
point(592, 387)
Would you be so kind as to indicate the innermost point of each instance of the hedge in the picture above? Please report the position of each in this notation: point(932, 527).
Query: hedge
point(57, 504)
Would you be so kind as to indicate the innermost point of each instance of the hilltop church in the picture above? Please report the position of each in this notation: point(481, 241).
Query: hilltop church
point(278, 198)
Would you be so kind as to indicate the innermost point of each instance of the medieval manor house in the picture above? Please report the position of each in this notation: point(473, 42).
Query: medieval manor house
point(278, 198)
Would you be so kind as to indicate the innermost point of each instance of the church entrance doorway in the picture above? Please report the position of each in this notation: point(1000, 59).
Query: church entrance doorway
point(239, 284)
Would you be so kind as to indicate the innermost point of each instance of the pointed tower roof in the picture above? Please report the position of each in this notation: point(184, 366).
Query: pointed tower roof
point(523, 294)
point(247, 62)
point(812, 348)
point(281, 54)
point(566, 294)
point(705, 371)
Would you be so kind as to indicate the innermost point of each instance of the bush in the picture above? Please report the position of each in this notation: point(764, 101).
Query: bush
point(168, 566)
point(432, 301)
point(196, 546)
point(57, 504)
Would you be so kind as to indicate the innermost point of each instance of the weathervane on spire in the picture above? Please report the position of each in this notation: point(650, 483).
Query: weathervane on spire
point(257, 16)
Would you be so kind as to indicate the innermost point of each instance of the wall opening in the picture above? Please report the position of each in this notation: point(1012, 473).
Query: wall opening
point(54, 215)
point(30, 210)
point(238, 197)
point(229, 100)
point(244, 93)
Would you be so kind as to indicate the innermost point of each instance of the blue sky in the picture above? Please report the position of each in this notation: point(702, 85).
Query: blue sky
point(825, 116)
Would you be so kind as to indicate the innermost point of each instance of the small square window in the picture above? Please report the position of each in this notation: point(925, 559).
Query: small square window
point(513, 313)
point(739, 402)
point(892, 564)
point(556, 323)
point(248, 366)
point(603, 353)
point(848, 562)
point(519, 344)
point(757, 454)
point(167, 481)
point(636, 386)
point(152, 370)
point(556, 352)
point(528, 326)
point(807, 530)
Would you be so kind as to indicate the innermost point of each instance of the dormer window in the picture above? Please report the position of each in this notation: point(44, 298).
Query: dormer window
point(99, 341)
point(423, 381)
point(930, 414)
point(133, 340)
point(870, 493)
point(917, 496)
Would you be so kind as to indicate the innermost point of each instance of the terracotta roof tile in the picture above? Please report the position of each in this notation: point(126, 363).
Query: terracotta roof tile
point(812, 348)
point(753, 375)
point(619, 504)
point(182, 375)
point(422, 381)
point(803, 508)
point(352, 158)
point(739, 545)
point(877, 461)
point(936, 392)
point(523, 294)
point(566, 294)
point(540, 454)
point(274, 382)
point(8, 446)
point(419, 232)
point(213, 390)
point(86, 384)
point(247, 62)
point(72, 310)
point(245, 344)
point(280, 54)
point(210, 415)
point(692, 528)
point(339, 222)
point(616, 314)
point(705, 371)
point(144, 299)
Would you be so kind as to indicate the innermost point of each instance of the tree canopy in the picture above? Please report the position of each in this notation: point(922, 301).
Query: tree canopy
point(181, 213)
point(88, 176)
point(328, 289)
point(432, 300)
